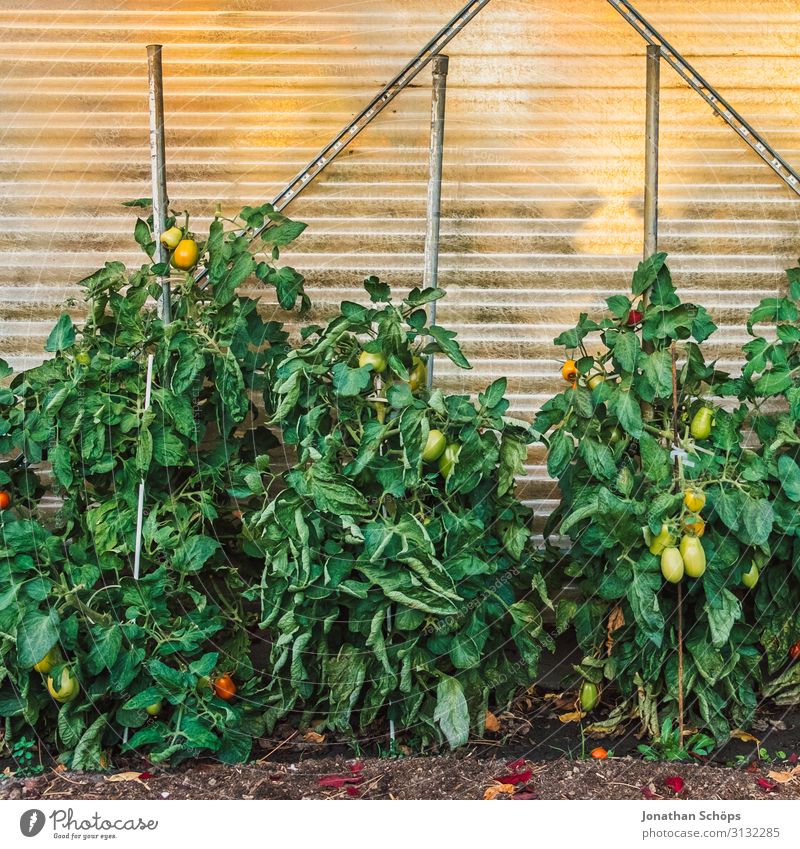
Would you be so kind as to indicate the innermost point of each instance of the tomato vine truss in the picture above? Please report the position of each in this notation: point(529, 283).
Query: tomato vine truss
point(670, 55)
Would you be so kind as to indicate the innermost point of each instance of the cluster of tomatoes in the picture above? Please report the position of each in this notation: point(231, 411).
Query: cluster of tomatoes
point(63, 685)
point(185, 250)
point(436, 447)
point(689, 558)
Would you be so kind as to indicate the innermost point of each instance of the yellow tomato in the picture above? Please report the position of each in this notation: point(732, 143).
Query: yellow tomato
point(662, 540)
point(694, 525)
point(51, 659)
point(66, 688)
point(694, 557)
point(694, 499)
point(186, 254)
point(595, 380)
point(672, 565)
point(569, 371)
point(153, 709)
point(419, 375)
point(172, 237)
point(434, 446)
point(377, 361)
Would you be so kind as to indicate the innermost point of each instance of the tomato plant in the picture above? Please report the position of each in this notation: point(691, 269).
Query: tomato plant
point(636, 546)
point(66, 587)
point(393, 587)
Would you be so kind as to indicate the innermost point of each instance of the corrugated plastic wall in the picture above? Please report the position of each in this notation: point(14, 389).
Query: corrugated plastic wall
point(542, 200)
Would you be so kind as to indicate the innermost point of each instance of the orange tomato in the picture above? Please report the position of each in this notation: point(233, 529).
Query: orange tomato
point(694, 525)
point(569, 371)
point(224, 688)
point(599, 754)
point(5, 500)
point(185, 256)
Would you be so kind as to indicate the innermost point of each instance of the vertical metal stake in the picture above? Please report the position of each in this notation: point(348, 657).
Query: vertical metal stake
point(651, 151)
point(158, 170)
point(434, 211)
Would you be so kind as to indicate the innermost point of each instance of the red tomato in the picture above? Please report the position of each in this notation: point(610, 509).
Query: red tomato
point(224, 688)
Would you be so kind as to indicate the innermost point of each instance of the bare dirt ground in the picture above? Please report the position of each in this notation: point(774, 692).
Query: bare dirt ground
point(533, 755)
point(437, 777)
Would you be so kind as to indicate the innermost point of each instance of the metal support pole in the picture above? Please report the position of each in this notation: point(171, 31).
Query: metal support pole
point(651, 151)
point(434, 210)
point(158, 171)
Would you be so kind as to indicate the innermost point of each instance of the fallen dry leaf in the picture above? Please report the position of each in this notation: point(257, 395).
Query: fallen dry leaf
point(738, 734)
point(313, 737)
point(572, 716)
point(124, 776)
point(616, 620)
point(767, 786)
point(514, 779)
point(491, 723)
point(675, 784)
point(496, 789)
point(785, 777)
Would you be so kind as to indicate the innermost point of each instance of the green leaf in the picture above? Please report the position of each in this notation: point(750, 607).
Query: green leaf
point(445, 340)
point(643, 598)
point(88, 752)
point(37, 633)
point(598, 458)
point(243, 266)
point(629, 412)
point(378, 292)
point(349, 382)
point(230, 385)
point(62, 336)
point(62, 465)
point(193, 553)
point(789, 475)
point(658, 371)
point(627, 350)
point(513, 454)
point(722, 616)
point(284, 233)
point(452, 712)
point(647, 272)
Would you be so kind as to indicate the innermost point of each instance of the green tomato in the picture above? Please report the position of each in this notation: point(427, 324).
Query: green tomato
point(750, 578)
point(700, 428)
point(82, 358)
point(662, 540)
point(672, 565)
point(595, 380)
point(434, 446)
point(448, 460)
point(377, 361)
point(172, 237)
point(154, 709)
point(589, 696)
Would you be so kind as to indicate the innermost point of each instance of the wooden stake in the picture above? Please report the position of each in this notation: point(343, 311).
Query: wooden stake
point(680, 585)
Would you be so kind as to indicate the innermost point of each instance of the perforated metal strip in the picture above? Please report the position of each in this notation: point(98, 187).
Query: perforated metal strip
point(711, 96)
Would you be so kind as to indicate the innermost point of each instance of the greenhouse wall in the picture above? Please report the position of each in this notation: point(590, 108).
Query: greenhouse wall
point(543, 165)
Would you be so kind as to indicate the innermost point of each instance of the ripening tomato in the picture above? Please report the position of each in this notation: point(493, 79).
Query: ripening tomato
point(49, 661)
point(224, 688)
point(694, 499)
point(662, 540)
point(66, 688)
point(595, 380)
point(377, 361)
point(434, 446)
point(700, 428)
point(599, 754)
point(569, 371)
point(448, 460)
point(750, 578)
point(694, 556)
point(186, 254)
point(172, 237)
point(5, 500)
point(794, 651)
point(694, 525)
point(634, 317)
point(672, 565)
point(419, 375)
point(589, 696)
